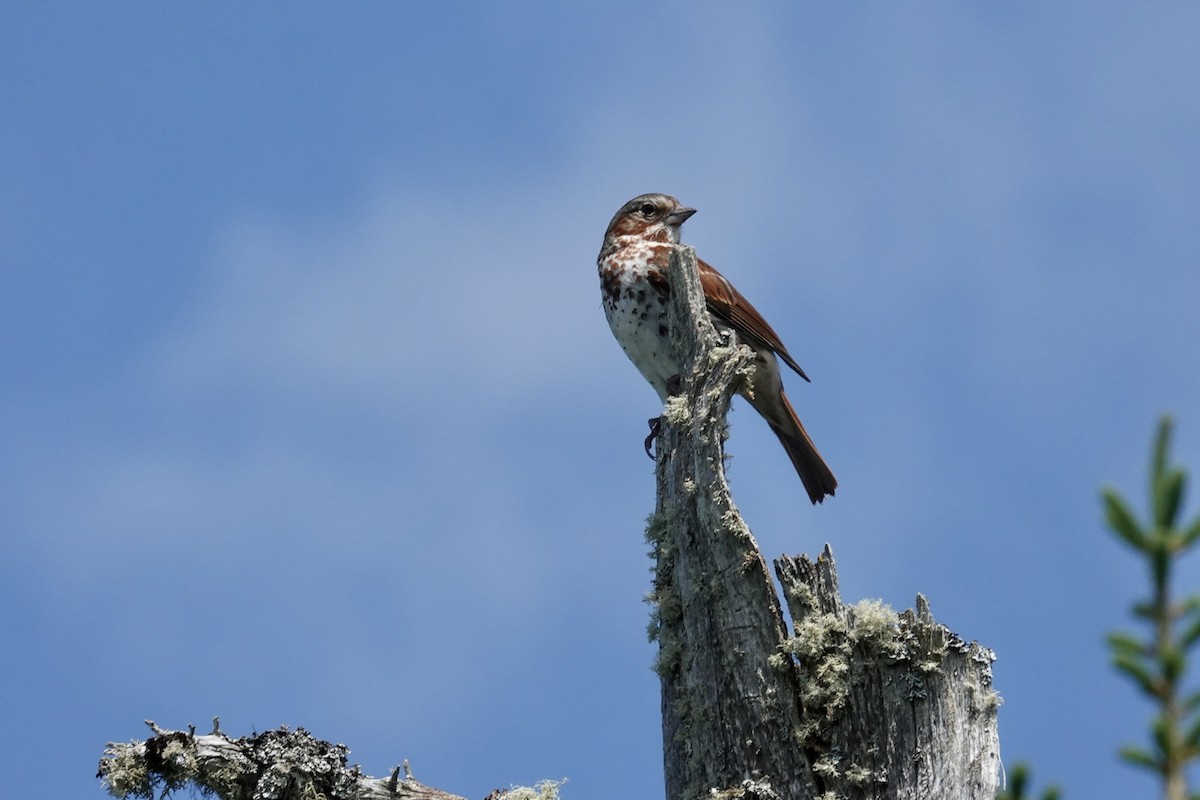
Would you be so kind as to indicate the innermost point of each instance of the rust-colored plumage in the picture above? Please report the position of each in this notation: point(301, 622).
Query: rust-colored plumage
point(633, 278)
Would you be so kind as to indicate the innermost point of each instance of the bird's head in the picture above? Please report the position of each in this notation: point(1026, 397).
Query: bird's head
point(649, 217)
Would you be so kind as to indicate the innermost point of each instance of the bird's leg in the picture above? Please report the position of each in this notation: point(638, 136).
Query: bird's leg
point(674, 387)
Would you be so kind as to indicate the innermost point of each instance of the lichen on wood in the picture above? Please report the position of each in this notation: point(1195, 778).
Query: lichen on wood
point(278, 764)
point(846, 701)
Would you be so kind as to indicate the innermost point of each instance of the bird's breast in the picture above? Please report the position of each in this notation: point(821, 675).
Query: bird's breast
point(636, 308)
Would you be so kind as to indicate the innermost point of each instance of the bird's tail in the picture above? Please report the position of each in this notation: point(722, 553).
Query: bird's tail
point(814, 473)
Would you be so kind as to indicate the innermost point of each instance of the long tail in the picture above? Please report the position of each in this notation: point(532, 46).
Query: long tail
point(814, 473)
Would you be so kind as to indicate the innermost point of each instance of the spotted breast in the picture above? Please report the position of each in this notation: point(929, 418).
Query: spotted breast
point(634, 285)
point(633, 279)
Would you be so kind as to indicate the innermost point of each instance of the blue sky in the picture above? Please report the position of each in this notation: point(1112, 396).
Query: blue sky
point(310, 414)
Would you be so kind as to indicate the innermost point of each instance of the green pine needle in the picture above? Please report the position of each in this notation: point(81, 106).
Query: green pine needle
point(1122, 521)
point(1139, 757)
point(1168, 495)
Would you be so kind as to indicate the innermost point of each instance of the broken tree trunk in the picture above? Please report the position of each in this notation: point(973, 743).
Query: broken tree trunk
point(283, 764)
point(852, 701)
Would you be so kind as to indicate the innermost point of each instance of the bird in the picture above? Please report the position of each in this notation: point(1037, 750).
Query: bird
point(635, 290)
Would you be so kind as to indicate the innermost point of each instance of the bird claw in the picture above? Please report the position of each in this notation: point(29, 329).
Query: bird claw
point(674, 389)
point(655, 429)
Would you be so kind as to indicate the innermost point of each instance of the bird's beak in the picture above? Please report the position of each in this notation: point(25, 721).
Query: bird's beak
point(679, 216)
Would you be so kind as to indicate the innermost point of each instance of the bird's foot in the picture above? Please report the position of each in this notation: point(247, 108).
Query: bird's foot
point(655, 429)
point(674, 389)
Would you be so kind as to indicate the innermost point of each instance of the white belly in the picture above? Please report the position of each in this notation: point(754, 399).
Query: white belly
point(638, 319)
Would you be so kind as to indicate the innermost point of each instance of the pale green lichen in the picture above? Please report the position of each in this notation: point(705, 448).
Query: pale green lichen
point(874, 620)
point(827, 767)
point(823, 648)
point(654, 625)
point(667, 610)
point(542, 790)
point(128, 770)
point(125, 772)
point(751, 788)
point(224, 781)
point(721, 353)
point(985, 699)
point(876, 630)
point(808, 731)
point(743, 373)
point(658, 535)
point(181, 756)
point(670, 607)
point(669, 658)
point(658, 525)
point(731, 520)
point(677, 411)
point(801, 594)
point(858, 775)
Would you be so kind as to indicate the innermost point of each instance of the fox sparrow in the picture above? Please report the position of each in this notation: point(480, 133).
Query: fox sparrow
point(633, 281)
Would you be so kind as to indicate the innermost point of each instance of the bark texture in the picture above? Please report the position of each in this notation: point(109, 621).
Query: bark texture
point(847, 701)
point(278, 764)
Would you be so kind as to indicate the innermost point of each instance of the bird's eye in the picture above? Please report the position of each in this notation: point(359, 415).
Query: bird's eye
point(648, 209)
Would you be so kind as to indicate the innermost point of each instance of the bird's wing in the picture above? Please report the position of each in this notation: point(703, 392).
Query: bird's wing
point(727, 303)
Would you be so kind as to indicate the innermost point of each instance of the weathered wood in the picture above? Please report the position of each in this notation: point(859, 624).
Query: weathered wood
point(895, 706)
point(854, 702)
point(283, 764)
point(729, 716)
